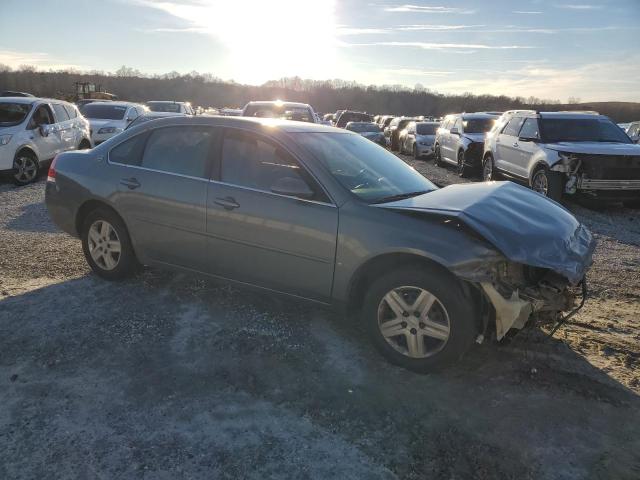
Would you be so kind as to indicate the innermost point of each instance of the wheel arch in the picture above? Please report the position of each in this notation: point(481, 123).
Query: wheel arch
point(378, 265)
point(91, 205)
point(27, 148)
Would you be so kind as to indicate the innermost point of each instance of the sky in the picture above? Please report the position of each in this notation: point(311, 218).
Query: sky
point(552, 49)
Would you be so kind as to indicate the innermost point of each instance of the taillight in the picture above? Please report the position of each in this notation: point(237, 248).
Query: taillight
point(51, 176)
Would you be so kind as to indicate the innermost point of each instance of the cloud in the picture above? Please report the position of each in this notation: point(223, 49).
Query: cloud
point(41, 60)
point(574, 6)
point(434, 27)
point(410, 72)
point(424, 9)
point(527, 12)
point(345, 30)
point(460, 47)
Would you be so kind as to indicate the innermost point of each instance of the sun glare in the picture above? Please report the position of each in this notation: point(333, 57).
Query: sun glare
point(268, 39)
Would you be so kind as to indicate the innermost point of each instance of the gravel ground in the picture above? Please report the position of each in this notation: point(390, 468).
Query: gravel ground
point(167, 376)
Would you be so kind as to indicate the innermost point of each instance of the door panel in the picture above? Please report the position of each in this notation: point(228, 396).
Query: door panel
point(165, 214)
point(270, 240)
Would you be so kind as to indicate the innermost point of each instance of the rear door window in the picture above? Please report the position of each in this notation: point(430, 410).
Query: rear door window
point(71, 111)
point(179, 150)
point(130, 151)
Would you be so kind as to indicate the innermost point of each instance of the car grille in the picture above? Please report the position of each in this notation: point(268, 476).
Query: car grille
point(611, 167)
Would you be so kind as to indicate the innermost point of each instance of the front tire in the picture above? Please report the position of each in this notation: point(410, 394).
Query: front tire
point(547, 183)
point(107, 246)
point(462, 169)
point(437, 156)
point(419, 319)
point(26, 168)
point(488, 169)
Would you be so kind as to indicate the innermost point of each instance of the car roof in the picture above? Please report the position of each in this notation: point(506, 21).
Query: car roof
point(274, 102)
point(162, 114)
point(427, 123)
point(167, 101)
point(289, 126)
point(119, 104)
point(478, 115)
point(569, 115)
point(30, 100)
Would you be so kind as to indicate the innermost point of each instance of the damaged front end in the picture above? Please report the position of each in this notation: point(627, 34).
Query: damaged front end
point(542, 250)
point(518, 292)
point(599, 175)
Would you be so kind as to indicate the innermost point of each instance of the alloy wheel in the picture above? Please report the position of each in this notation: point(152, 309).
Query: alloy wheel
point(413, 322)
point(104, 245)
point(540, 183)
point(26, 169)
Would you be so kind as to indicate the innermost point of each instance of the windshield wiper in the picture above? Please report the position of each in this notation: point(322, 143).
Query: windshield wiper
point(400, 196)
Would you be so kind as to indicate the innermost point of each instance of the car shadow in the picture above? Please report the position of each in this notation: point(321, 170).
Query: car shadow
point(32, 218)
point(168, 373)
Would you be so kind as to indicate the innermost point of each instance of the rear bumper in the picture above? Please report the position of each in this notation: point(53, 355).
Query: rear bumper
point(62, 214)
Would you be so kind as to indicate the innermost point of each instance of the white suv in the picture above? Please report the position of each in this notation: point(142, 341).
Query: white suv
point(558, 153)
point(108, 119)
point(34, 130)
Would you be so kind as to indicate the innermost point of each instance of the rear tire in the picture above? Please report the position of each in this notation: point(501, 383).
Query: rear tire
point(107, 246)
point(450, 326)
point(415, 152)
point(25, 168)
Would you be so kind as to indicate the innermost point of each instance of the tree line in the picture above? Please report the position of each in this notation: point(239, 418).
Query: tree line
point(207, 90)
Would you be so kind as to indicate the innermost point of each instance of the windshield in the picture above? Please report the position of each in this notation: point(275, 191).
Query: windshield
point(363, 127)
point(582, 130)
point(163, 107)
point(478, 125)
point(362, 167)
point(103, 111)
point(13, 113)
point(426, 129)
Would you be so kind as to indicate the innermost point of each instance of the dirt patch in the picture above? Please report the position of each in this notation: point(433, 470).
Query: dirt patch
point(170, 376)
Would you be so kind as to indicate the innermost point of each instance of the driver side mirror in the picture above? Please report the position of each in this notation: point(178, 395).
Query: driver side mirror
point(45, 130)
point(292, 187)
point(129, 119)
point(454, 131)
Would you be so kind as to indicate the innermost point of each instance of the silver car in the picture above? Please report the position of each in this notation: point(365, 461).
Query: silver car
point(565, 153)
point(326, 215)
point(419, 139)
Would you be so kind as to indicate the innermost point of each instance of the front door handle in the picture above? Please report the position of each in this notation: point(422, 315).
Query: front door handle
point(227, 203)
point(131, 183)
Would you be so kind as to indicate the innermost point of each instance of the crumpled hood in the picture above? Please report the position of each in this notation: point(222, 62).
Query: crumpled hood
point(475, 137)
point(595, 148)
point(371, 134)
point(522, 224)
point(98, 123)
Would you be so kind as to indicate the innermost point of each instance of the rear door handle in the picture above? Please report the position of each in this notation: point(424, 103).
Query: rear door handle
point(227, 203)
point(130, 183)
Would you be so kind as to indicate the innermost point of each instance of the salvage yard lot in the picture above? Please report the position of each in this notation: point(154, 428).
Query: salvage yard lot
point(167, 376)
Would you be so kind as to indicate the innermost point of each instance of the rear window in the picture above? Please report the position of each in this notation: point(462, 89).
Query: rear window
point(426, 129)
point(363, 127)
point(13, 113)
point(103, 111)
point(283, 111)
point(164, 107)
point(582, 130)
